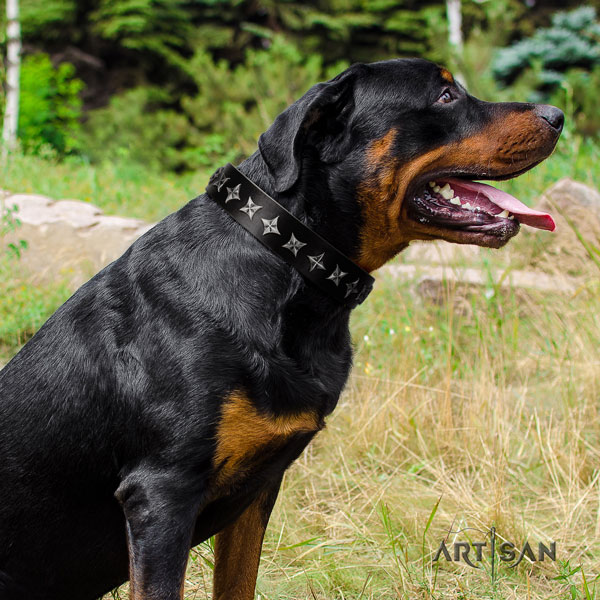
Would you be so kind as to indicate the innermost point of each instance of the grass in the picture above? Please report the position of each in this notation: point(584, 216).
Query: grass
point(24, 306)
point(475, 412)
point(450, 421)
point(117, 188)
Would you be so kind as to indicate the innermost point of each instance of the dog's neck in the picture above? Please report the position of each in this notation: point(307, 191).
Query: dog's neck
point(312, 202)
point(334, 216)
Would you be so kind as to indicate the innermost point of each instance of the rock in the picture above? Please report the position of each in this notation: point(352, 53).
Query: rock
point(77, 214)
point(439, 284)
point(576, 210)
point(23, 201)
point(140, 231)
point(567, 191)
point(120, 222)
point(69, 239)
point(32, 209)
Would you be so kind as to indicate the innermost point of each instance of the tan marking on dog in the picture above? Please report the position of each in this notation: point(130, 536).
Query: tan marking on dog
point(380, 149)
point(243, 431)
point(237, 554)
point(384, 234)
point(446, 75)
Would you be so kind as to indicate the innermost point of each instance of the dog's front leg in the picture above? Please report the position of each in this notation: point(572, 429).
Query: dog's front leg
point(160, 514)
point(238, 547)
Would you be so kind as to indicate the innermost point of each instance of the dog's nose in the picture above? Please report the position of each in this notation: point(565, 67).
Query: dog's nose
point(552, 115)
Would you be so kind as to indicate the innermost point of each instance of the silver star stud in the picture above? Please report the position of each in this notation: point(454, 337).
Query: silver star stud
point(316, 262)
point(250, 208)
point(336, 275)
point(294, 245)
point(233, 193)
point(221, 180)
point(351, 288)
point(270, 226)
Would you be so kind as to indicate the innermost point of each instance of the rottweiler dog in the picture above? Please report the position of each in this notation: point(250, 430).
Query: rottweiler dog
point(162, 403)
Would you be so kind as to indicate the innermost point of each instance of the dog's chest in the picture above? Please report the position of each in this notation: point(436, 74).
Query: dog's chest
point(248, 439)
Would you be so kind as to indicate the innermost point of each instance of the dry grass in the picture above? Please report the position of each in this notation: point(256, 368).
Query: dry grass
point(492, 412)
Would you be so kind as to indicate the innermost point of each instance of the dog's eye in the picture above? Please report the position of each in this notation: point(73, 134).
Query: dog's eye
point(445, 98)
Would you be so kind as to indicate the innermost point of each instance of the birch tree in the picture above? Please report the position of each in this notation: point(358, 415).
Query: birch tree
point(13, 65)
point(453, 10)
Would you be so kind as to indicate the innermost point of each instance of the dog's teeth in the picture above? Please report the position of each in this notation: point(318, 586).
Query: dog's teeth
point(447, 192)
point(468, 206)
point(432, 184)
point(511, 217)
point(436, 188)
point(455, 200)
point(504, 214)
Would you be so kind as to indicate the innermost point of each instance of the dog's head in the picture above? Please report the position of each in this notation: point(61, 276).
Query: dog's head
point(408, 140)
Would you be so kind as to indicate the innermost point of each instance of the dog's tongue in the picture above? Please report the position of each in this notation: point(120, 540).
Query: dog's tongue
point(523, 214)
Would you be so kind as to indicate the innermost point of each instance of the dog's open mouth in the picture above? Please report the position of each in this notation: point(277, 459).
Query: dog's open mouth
point(476, 208)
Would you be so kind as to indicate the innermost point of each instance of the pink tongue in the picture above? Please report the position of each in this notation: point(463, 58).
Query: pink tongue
point(523, 214)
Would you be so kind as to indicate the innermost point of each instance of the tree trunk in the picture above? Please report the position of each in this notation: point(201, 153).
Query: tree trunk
point(13, 65)
point(453, 10)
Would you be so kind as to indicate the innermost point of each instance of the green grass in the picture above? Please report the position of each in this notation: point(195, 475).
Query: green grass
point(123, 189)
point(24, 306)
point(479, 411)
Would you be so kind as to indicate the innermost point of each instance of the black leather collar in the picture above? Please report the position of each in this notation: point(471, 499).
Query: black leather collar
point(314, 257)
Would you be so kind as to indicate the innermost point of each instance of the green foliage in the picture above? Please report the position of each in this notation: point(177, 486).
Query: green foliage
point(133, 128)
point(573, 40)
point(239, 104)
point(577, 94)
point(117, 187)
point(184, 85)
point(9, 222)
point(359, 30)
point(160, 27)
point(52, 18)
point(219, 123)
point(50, 107)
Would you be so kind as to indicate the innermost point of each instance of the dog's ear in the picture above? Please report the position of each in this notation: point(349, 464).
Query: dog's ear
point(319, 119)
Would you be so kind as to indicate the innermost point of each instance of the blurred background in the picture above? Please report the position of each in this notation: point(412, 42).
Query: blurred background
point(474, 399)
point(177, 86)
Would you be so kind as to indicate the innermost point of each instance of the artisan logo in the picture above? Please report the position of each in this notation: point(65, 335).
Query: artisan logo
point(508, 552)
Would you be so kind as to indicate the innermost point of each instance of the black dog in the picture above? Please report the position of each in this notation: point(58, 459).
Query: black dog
point(162, 403)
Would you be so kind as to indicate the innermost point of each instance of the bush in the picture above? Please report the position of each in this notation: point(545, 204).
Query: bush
point(219, 123)
point(50, 107)
point(134, 128)
point(239, 104)
point(572, 41)
point(577, 94)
